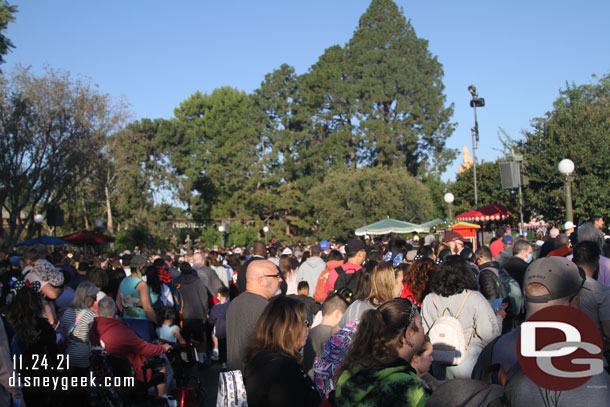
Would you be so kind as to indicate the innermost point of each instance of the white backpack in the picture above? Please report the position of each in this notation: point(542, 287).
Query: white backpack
point(231, 390)
point(447, 336)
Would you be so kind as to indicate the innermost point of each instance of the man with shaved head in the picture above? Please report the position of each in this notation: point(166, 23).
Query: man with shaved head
point(262, 282)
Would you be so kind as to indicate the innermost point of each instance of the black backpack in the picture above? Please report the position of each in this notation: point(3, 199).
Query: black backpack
point(345, 280)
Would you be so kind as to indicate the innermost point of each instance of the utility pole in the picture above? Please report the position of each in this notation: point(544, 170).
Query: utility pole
point(474, 103)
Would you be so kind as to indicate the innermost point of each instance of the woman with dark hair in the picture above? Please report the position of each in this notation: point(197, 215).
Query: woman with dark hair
point(454, 291)
point(417, 276)
point(34, 341)
point(273, 375)
point(289, 274)
point(376, 370)
point(425, 251)
point(213, 261)
point(305, 256)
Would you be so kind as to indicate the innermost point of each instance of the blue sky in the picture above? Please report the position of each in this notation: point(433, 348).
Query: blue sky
point(156, 53)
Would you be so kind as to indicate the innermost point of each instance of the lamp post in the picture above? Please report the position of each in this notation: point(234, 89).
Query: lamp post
point(221, 229)
point(266, 230)
point(38, 219)
point(474, 103)
point(566, 167)
point(449, 199)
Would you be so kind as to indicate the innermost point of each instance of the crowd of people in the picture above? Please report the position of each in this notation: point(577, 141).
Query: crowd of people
point(354, 324)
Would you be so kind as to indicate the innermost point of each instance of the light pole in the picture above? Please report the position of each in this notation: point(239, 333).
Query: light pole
point(38, 219)
point(474, 103)
point(566, 167)
point(449, 199)
point(221, 229)
point(266, 230)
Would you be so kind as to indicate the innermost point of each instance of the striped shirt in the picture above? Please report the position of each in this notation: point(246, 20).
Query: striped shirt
point(78, 346)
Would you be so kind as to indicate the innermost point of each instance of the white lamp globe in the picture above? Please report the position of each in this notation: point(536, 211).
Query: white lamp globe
point(266, 229)
point(221, 228)
point(566, 166)
point(38, 218)
point(449, 197)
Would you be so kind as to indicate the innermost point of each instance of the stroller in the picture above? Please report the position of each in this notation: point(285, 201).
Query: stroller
point(189, 391)
point(105, 366)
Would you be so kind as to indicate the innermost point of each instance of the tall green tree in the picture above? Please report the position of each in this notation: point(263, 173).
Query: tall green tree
point(219, 160)
point(400, 102)
point(139, 168)
point(348, 199)
point(7, 15)
point(577, 128)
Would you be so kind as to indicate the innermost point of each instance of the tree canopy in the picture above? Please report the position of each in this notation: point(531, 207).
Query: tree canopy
point(53, 130)
point(348, 199)
point(7, 15)
point(577, 128)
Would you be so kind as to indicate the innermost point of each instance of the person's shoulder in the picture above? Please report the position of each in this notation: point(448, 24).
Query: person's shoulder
point(89, 314)
point(68, 315)
point(270, 359)
point(477, 296)
point(247, 299)
point(320, 330)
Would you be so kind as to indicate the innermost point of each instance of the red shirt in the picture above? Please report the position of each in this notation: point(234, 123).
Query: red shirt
point(120, 339)
point(496, 247)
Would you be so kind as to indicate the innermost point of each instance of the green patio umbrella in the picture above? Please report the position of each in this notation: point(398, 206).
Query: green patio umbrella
point(390, 226)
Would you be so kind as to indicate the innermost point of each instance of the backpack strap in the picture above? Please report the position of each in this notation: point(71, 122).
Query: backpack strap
point(438, 313)
point(339, 270)
point(462, 304)
point(474, 329)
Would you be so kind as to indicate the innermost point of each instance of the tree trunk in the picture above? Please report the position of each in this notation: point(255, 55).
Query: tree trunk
point(109, 211)
point(85, 213)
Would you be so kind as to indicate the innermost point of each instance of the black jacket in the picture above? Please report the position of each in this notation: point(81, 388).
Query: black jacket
point(489, 280)
point(516, 268)
point(275, 379)
point(194, 296)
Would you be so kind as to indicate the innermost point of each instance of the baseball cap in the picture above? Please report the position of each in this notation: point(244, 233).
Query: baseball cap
point(324, 245)
point(137, 261)
point(569, 225)
point(452, 235)
point(287, 250)
point(15, 259)
point(354, 245)
point(559, 275)
point(508, 239)
point(429, 240)
point(237, 250)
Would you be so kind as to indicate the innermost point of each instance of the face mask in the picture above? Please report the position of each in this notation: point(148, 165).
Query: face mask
point(529, 258)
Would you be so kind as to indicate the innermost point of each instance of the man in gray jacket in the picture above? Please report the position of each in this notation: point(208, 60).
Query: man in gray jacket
point(311, 269)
